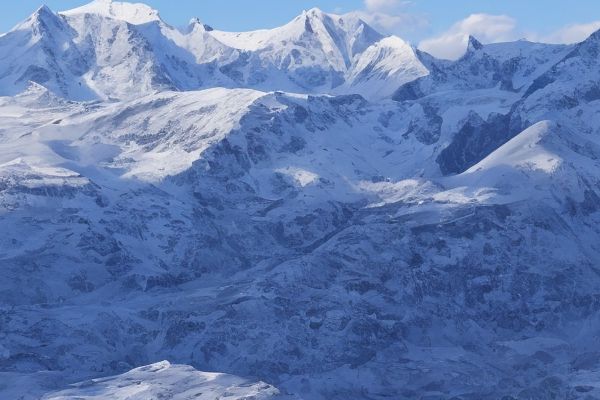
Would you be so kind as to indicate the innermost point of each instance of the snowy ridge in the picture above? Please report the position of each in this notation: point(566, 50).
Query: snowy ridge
point(342, 36)
point(133, 13)
point(383, 67)
point(524, 150)
point(163, 380)
point(108, 49)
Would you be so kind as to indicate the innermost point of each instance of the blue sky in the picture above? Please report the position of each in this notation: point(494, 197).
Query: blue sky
point(419, 21)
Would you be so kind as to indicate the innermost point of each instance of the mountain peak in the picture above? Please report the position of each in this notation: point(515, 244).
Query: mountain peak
point(594, 37)
point(43, 10)
point(133, 13)
point(310, 17)
point(41, 14)
point(315, 12)
point(473, 44)
point(196, 24)
point(42, 21)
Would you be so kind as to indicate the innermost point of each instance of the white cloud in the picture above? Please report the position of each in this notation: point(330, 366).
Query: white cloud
point(397, 17)
point(383, 5)
point(570, 34)
point(391, 17)
point(398, 24)
point(486, 28)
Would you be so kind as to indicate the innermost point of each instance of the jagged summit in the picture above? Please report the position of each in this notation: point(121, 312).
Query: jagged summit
point(350, 20)
point(313, 21)
point(315, 12)
point(473, 44)
point(313, 38)
point(196, 24)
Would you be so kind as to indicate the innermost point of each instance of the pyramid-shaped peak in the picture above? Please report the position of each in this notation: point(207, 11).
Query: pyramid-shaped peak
point(44, 9)
point(41, 22)
point(474, 44)
point(43, 13)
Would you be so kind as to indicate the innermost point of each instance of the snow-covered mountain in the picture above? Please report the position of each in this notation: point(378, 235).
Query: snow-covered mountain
point(112, 50)
point(315, 206)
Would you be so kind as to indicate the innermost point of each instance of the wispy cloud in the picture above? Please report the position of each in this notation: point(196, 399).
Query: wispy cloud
point(570, 34)
point(392, 17)
point(400, 18)
point(498, 28)
point(386, 6)
point(485, 27)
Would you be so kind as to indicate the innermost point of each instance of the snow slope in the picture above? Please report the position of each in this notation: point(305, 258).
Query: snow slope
point(133, 13)
point(338, 37)
point(382, 68)
point(163, 380)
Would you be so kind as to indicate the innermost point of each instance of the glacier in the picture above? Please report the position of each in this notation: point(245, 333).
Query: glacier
point(316, 211)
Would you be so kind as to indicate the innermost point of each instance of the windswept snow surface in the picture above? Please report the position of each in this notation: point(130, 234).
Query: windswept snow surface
point(133, 13)
point(316, 206)
point(165, 381)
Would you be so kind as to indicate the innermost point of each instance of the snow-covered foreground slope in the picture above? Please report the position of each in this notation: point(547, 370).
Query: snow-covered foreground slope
point(161, 380)
point(165, 381)
point(337, 246)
